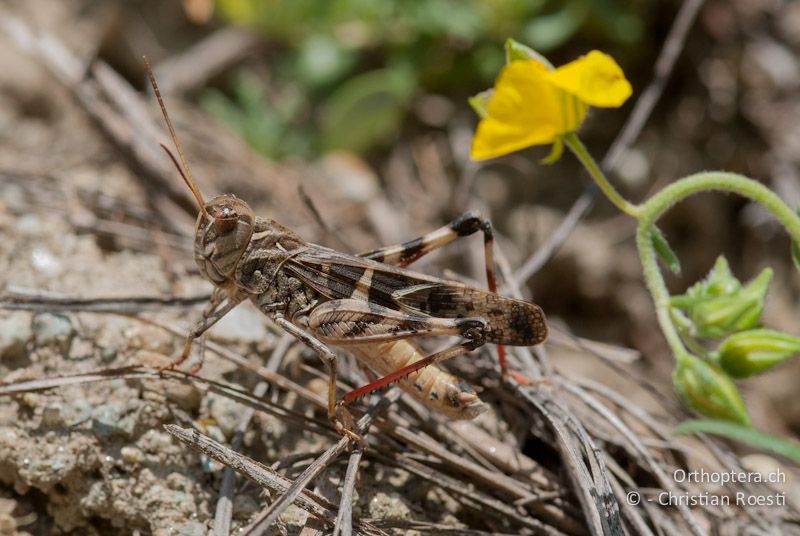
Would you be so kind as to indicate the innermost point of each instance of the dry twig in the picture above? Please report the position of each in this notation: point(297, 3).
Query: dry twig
point(267, 518)
point(261, 475)
point(224, 511)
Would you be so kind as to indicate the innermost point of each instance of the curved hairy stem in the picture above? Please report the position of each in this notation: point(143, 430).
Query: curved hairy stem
point(653, 208)
point(581, 153)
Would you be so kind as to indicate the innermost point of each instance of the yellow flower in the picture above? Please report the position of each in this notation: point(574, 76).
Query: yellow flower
point(533, 105)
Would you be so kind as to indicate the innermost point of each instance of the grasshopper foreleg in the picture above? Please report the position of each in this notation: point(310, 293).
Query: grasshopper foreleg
point(218, 307)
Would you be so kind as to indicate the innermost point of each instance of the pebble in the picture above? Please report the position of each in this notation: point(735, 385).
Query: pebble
point(131, 455)
point(107, 419)
point(187, 397)
point(178, 482)
point(80, 349)
point(149, 338)
point(45, 262)
point(385, 506)
point(243, 324)
point(77, 410)
point(634, 169)
point(8, 525)
point(225, 412)
point(30, 225)
point(15, 333)
point(245, 506)
point(155, 442)
point(192, 528)
point(53, 329)
point(294, 518)
point(52, 417)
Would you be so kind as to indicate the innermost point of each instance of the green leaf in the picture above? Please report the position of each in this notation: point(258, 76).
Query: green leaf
point(745, 434)
point(550, 31)
point(264, 124)
point(517, 51)
point(367, 110)
point(322, 60)
point(665, 252)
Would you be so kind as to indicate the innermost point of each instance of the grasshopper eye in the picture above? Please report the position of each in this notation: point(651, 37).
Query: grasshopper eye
point(227, 213)
point(225, 219)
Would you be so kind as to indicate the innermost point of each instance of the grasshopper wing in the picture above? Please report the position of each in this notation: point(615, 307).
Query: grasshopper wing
point(337, 275)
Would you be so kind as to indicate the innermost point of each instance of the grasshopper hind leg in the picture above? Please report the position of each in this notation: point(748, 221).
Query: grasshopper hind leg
point(464, 225)
point(372, 332)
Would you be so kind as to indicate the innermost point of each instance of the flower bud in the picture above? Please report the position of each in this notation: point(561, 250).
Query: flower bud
point(719, 282)
point(715, 317)
point(705, 388)
point(750, 352)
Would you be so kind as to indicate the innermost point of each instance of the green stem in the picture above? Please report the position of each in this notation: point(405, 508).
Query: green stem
point(579, 150)
point(654, 207)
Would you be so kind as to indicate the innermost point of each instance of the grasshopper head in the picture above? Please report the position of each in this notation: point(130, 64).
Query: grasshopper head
point(225, 223)
point(222, 233)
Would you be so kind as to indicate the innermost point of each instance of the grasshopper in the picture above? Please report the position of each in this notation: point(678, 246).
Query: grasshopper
point(369, 303)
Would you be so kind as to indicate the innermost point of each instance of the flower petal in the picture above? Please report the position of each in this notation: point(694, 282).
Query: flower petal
point(595, 78)
point(525, 109)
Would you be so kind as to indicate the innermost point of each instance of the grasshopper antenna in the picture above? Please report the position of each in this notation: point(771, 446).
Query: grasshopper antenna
point(187, 177)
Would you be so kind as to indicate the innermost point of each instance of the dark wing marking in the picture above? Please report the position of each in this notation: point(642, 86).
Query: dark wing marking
point(512, 322)
point(337, 275)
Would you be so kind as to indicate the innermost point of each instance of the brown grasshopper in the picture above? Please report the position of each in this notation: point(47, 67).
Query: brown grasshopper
point(369, 303)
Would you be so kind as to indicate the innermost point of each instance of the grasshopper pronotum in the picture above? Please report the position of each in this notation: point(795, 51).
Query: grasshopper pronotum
point(368, 303)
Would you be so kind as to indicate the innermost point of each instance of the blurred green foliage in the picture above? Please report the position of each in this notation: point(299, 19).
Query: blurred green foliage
point(347, 70)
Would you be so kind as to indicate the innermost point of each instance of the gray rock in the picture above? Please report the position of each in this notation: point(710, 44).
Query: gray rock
point(15, 334)
point(80, 349)
point(53, 329)
point(244, 324)
point(225, 412)
point(192, 528)
point(109, 419)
